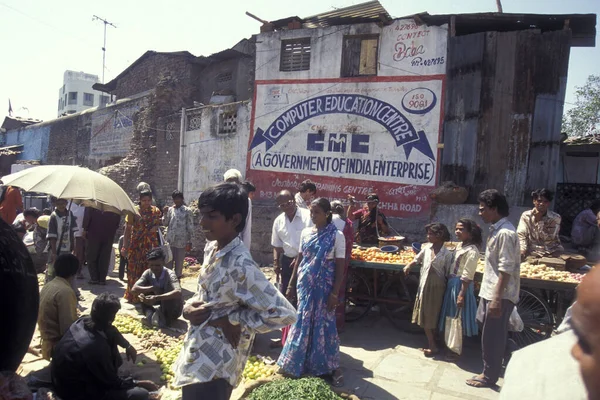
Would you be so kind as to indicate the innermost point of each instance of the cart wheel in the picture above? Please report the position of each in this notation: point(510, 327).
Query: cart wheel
point(537, 319)
point(358, 293)
point(398, 302)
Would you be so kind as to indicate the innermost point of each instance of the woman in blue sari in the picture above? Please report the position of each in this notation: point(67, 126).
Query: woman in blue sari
point(459, 290)
point(313, 346)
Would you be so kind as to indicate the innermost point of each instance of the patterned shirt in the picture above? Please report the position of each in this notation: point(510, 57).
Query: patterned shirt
point(180, 225)
point(539, 238)
point(502, 255)
point(233, 285)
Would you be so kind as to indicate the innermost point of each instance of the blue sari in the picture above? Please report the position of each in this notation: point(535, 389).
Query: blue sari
point(312, 346)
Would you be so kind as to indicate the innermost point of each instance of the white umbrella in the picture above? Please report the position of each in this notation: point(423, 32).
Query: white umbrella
point(82, 185)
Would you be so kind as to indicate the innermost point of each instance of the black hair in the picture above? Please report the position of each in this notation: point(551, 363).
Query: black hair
point(156, 253)
point(145, 193)
point(228, 199)
point(494, 199)
point(32, 212)
point(545, 193)
point(66, 265)
point(595, 206)
point(373, 197)
point(176, 194)
point(284, 193)
point(473, 229)
point(440, 230)
point(249, 187)
point(47, 211)
point(324, 205)
point(307, 185)
point(337, 208)
point(104, 309)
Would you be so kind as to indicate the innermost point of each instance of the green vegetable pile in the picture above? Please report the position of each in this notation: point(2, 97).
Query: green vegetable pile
point(294, 389)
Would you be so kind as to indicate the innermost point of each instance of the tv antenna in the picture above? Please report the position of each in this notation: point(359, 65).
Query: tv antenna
point(106, 23)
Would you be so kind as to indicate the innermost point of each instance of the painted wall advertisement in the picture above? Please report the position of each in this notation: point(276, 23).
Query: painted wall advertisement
point(351, 135)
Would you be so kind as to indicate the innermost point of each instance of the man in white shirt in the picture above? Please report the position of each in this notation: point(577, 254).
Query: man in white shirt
point(285, 238)
point(500, 285)
point(306, 193)
point(78, 212)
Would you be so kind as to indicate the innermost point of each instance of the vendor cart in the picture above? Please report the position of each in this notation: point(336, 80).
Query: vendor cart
point(542, 303)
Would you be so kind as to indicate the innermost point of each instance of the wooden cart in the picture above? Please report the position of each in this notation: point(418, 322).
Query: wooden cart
point(542, 304)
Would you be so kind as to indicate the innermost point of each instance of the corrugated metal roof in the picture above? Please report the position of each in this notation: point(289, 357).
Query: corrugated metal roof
point(371, 11)
point(582, 26)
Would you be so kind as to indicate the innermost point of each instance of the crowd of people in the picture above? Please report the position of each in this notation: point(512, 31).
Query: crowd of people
point(312, 240)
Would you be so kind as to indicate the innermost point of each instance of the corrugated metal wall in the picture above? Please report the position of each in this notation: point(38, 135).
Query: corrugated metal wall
point(504, 104)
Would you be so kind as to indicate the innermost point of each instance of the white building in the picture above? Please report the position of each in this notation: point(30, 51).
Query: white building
point(76, 93)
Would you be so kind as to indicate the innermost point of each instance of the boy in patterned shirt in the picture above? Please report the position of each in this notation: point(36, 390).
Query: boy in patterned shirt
point(234, 302)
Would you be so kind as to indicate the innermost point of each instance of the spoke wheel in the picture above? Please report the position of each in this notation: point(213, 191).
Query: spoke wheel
point(398, 302)
point(537, 319)
point(358, 295)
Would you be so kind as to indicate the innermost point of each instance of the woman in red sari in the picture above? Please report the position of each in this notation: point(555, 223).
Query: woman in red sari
point(345, 225)
point(141, 236)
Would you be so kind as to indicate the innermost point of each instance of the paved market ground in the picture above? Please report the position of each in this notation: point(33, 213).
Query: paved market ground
point(379, 362)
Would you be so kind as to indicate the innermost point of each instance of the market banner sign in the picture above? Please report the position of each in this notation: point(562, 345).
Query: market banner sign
point(356, 135)
point(349, 140)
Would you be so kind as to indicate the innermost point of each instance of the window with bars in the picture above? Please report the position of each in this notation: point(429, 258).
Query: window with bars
point(359, 55)
point(228, 123)
point(72, 98)
point(224, 77)
point(295, 55)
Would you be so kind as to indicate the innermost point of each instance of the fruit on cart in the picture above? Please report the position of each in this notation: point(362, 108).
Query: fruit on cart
point(541, 271)
point(373, 254)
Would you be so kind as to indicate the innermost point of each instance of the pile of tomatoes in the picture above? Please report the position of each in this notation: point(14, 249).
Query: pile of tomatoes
point(373, 254)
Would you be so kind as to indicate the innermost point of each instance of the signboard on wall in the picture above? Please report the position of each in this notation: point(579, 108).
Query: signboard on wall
point(357, 135)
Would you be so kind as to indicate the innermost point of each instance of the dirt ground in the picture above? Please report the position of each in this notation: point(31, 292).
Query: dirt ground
point(146, 366)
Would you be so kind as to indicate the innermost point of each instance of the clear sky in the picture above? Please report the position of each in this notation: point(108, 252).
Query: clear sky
point(40, 39)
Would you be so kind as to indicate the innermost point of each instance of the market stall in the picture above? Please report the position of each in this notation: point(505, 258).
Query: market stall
point(376, 279)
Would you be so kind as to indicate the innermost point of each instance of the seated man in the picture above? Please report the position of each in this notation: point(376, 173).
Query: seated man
point(85, 362)
point(538, 228)
point(58, 304)
point(25, 221)
point(159, 284)
point(584, 232)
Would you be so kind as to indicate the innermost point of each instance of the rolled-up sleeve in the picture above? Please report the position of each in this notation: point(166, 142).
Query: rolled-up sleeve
point(509, 257)
point(471, 258)
point(523, 232)
point(264, 308)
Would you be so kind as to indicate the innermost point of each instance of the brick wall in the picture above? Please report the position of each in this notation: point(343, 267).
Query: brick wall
point(69, 141)
point(146, 75)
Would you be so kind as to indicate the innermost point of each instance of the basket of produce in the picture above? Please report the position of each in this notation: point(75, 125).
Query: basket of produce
point(281, 388)
point(391, 241)
point(573, 262)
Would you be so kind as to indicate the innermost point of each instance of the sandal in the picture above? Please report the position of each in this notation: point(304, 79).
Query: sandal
point(337, 379)
point(479, 382)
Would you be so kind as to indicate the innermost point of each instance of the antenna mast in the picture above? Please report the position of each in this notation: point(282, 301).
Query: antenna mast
point(96, 18)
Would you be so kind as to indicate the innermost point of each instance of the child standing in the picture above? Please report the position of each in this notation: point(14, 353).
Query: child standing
point(435, 260)
point(459, 291)
point(234, 302)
